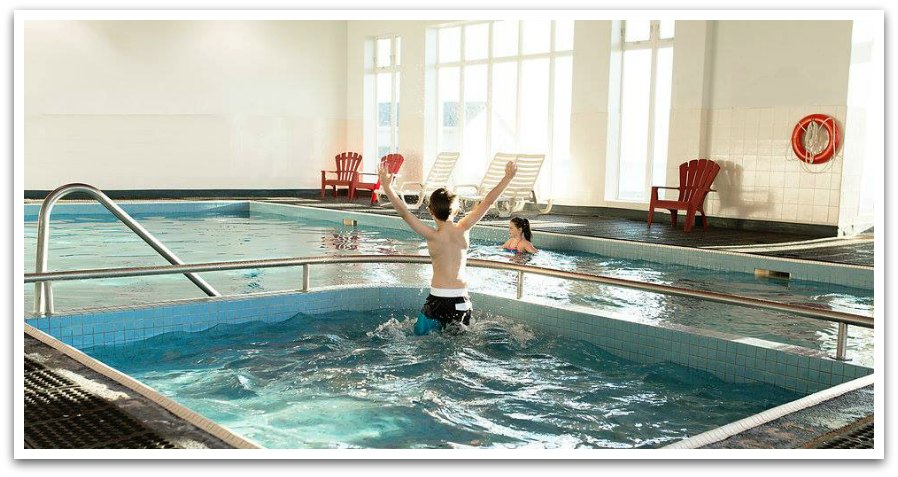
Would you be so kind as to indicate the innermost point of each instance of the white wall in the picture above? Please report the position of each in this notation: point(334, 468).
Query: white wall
point(170, 105)
point(766, 75)
point(862, 177)
point(183, 104)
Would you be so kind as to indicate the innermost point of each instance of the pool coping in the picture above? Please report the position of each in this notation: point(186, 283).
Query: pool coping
point(751, 422)
point(180, 411)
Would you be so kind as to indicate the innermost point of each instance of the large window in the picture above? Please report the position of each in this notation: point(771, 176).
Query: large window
point(500, 86)
point(382, 99)
point(639, 119)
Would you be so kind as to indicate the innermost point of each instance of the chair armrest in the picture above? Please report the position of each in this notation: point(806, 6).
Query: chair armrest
point(402, 187)
point(665, 187)
point(476, 187)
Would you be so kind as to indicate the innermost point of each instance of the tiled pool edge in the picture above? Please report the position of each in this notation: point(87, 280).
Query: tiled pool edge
point(836, 274)
point(62, 209)
point(729, 357)
point(737, 427)
point(181, 412)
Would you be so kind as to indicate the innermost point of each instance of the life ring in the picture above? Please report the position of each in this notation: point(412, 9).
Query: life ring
point(832, 144)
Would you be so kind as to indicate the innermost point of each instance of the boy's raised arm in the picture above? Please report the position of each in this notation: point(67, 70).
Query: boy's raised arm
point(480, 210)
point(386, 182)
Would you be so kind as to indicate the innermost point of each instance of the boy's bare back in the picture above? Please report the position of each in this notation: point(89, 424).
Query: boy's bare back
point(448, 249)
point(448, 242)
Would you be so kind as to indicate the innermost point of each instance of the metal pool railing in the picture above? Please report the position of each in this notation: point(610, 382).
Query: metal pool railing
point(843, 319)
point(43, 291)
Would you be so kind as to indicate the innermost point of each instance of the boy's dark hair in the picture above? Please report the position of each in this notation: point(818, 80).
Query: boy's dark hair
point(524, 225)
point(442, 204)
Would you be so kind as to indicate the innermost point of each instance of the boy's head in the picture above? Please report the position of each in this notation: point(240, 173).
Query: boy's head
point(443, 204)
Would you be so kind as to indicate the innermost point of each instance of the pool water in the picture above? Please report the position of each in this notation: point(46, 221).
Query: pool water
point(99, 241)
point(363, 379)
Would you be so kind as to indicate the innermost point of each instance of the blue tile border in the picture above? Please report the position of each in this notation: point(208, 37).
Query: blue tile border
point(95, 208)
point(729, 357)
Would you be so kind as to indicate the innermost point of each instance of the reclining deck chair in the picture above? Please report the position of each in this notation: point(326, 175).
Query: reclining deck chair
point(393, 163)
point(696, 177)
point(518, 192)
point(347, 173)
point(439, 175)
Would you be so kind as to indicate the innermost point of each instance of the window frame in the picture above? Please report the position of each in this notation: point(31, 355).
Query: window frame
point(393, 68)
point(435, 126)
point(655, 43)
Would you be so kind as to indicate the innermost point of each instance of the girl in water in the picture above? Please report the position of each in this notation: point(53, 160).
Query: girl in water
point(519, 236)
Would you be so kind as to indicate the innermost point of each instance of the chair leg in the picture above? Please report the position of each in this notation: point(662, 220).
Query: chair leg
point(690, 220)
point(373, 197)
point(673, 217)
point(651, 215)
point(704, 220)
point(323, 187)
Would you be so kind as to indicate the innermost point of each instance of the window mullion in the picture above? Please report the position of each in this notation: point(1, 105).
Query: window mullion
point(550, 134)
point(650, 149)
point(517, 113)
point(489, 93)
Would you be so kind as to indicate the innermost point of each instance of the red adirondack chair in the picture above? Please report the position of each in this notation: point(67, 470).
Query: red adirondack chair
point(393, 163)
point(347, 173)
point(696, 177)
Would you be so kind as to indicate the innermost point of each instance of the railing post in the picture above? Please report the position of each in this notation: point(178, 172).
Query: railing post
point(305, 277)
point(520, 291)
point(842, 342)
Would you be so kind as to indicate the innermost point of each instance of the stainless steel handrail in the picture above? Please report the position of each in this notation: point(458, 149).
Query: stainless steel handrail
point(806, 311)
point(43, 291)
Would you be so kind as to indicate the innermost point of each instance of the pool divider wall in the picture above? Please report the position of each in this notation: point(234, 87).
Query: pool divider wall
point(729, 357)
point(717, 260)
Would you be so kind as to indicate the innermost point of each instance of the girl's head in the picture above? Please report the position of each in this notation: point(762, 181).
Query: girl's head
point(519, 227)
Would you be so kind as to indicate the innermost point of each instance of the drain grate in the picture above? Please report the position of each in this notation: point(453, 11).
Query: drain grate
point(61, 415)
point(858, 435)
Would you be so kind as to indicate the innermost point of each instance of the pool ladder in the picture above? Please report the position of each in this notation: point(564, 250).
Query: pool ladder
point(43, 291)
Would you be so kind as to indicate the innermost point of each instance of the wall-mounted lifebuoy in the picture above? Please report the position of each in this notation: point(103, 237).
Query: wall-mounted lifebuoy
point(803, 128)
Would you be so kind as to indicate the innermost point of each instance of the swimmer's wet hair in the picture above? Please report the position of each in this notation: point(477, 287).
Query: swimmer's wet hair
point(524, 225)
point(443, 204)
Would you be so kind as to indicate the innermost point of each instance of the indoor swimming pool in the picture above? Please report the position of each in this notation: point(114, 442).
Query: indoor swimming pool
point(97, 240)
point(362, 379)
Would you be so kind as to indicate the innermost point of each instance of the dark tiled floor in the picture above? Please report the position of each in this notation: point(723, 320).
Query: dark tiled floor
point(637, 230)
point(855, 254)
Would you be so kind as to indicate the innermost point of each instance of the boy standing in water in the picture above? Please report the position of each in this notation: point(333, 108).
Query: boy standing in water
point(448, 303)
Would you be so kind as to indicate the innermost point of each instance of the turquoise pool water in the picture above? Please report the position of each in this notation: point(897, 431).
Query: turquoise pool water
point(350, 379)
point(99, 241)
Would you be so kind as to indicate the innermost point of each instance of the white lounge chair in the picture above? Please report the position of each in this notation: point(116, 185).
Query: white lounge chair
point(518, 192)
point(439, 176)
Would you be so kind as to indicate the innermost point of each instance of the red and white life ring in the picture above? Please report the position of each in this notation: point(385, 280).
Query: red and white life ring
point(832, 144)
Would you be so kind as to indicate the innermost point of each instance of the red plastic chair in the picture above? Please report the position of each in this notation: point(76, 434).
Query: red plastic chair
point(696, 177)
point(347, 173)
point(393, 163)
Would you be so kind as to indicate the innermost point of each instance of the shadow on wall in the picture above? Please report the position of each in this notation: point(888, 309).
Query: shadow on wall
point(737, 199)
